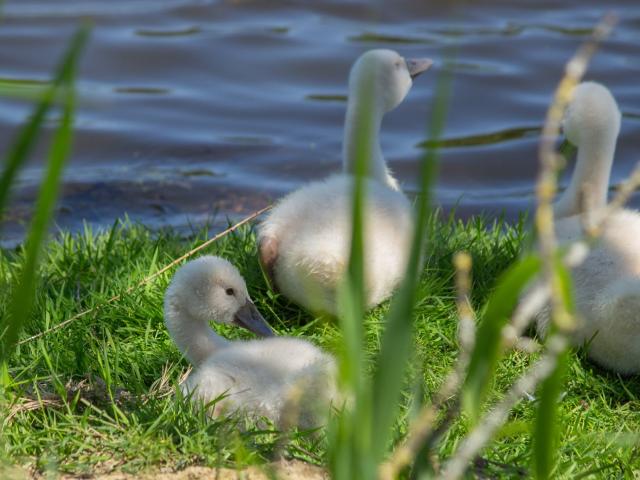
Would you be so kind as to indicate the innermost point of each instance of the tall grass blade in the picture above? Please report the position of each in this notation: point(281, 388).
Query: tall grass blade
point(546, 431)
point(349, 454)
point(395, 347)
point(27, 138)
point(23, 292)
point(486, 352)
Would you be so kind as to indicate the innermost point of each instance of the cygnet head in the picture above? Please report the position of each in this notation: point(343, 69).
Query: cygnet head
point(391, 76)
point(592, 115)
point(211, 288)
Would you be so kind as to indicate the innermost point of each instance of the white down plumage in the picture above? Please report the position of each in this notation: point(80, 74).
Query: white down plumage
point(288, 380)
point(304, 243)
point(607, 283)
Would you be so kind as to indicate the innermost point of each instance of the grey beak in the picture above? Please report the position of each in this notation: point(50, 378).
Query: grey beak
point(418, 65)
point(249, 317)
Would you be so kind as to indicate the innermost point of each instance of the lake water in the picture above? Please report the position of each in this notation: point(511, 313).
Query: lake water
point(190, 108)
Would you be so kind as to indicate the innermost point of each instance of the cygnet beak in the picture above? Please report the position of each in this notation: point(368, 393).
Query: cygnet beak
point(418, 65)
point(249, 317)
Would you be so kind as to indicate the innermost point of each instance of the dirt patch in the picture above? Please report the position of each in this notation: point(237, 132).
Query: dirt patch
point(12, 473)
point(284, 470)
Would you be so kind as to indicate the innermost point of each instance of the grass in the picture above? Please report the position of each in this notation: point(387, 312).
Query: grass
point(89, 397)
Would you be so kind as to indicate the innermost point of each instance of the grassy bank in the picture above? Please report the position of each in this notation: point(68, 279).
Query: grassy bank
point(97, 395)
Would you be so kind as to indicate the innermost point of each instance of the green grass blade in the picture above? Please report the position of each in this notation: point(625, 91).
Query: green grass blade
point(23, 293)
point(23, 145)
point(395, 347)
point(23, 91)
point(486, 352)
point(349, 448)
point(546, 427)
point(353, 294)
point(546, 431)
point(27, 138)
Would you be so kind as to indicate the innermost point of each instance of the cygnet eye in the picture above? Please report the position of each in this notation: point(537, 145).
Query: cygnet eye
point(397, 64)
point(230, 291)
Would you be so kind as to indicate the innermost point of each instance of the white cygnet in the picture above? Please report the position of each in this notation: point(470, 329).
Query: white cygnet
point(304, 242)
point(286, 379)
point(607, 283)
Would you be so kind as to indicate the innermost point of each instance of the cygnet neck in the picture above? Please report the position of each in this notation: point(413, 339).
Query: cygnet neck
point(194, 338)
point(590, 177)
point(362, 125)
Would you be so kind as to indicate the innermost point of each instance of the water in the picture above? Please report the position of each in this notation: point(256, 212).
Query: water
point(200, 109)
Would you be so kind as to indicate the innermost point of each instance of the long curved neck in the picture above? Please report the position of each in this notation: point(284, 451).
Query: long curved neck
point(194, 338)
point(590, 178)
point(361, 134)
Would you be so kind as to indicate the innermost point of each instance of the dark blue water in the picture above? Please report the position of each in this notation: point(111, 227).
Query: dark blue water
point(193, 109)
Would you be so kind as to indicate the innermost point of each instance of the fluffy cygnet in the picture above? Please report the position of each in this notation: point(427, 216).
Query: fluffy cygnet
point(304, 243)
point(607, 283)
point(286, 379)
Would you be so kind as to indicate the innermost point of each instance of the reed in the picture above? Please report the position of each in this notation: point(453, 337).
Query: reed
point(62, 87)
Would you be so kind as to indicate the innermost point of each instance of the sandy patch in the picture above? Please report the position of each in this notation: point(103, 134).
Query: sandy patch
point(283, 470)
